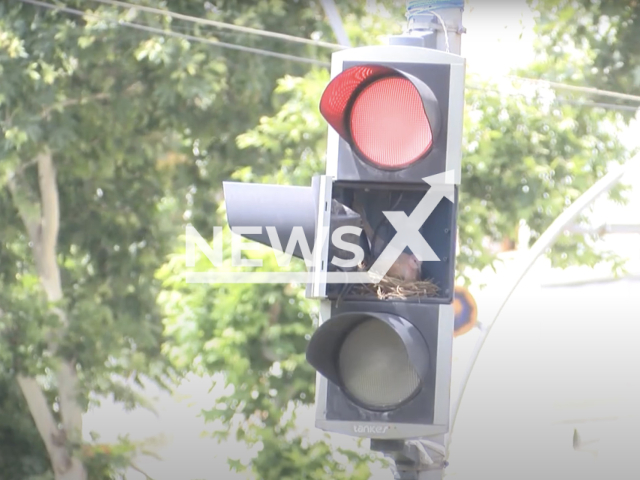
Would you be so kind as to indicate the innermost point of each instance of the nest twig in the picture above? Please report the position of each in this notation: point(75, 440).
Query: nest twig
point(390, 287)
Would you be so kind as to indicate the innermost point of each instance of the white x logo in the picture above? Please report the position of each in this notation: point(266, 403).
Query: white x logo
point(408, 227)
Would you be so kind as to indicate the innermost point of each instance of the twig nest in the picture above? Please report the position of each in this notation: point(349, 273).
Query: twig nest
point(390, 287)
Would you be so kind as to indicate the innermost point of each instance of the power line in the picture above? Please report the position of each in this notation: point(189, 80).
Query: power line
point(184, 36)
point(555, 85)
point(232, 46)
point(576, 88)
point(218, 24)
point(605, 106)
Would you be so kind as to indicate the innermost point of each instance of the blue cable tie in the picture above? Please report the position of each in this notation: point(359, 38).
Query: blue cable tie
point(422, 7)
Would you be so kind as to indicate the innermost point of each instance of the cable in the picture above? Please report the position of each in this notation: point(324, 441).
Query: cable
point(184, 36)
point(421, 7)
point(605, 106)
point(444, 29)
point(413, 8)
point(229, 26)
point(565, 86)
point(576, 88)
point(295, 58)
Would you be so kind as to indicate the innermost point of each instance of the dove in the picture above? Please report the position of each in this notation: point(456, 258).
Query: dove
point(406, 267)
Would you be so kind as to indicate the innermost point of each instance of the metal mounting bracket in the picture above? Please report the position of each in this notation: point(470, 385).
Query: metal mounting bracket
point(413, 459)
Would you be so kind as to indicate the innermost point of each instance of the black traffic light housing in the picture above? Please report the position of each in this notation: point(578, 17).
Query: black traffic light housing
point(438, 230)
point(431, 83)
point(418, 327)
point(394, 149)
point(396, 179)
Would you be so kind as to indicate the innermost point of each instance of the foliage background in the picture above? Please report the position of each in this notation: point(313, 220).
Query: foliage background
point(143, 130)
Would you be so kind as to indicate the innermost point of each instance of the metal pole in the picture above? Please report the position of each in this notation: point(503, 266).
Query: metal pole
point(335, 21)
point(606, 228)
point(546, 240)
point(435, 24)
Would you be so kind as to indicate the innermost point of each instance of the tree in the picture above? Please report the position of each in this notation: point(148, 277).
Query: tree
point(528, 155)
point(256, 335)
point(111, 134)
point(603, 36)
point(114, 138)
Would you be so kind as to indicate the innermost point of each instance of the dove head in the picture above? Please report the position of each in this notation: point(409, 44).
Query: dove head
point(415, 266)
point(407, 267)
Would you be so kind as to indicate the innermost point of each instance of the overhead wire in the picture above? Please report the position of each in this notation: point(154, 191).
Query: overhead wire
point(605, 106)
point(291, 38)
point(557, 99)
point(577, 88)
point(223, 25)
point(334, 46)
point(184, 36)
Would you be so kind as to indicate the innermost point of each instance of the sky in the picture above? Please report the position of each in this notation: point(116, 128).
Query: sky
point(499, 36)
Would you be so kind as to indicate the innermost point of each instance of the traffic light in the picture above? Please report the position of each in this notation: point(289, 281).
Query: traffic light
point(381, 227)
point(383, 350)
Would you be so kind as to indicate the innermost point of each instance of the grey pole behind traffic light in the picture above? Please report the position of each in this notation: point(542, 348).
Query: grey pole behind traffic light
point(425, 22)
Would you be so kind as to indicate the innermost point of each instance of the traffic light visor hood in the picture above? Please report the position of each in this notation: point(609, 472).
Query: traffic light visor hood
point(389, 117)
point(379, 360)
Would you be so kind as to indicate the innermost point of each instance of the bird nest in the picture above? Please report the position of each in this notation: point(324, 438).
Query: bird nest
point(394, 288)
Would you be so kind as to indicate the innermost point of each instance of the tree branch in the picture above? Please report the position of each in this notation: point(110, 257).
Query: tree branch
point(45, 423)
point(43, 233)
point(134, 88)
point(70, 410)
point(133, 466)
point(72, 101)
point(66, 375)
point(50, 224)
point(27, 206)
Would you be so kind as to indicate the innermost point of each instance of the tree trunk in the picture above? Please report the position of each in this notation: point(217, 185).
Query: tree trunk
point(43, 233)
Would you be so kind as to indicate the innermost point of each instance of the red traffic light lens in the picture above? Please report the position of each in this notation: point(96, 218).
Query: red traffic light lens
point(340, 91)
point(388, 117)
point(388, 123)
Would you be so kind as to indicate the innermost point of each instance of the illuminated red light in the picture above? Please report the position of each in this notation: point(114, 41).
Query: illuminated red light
point(381, 114)
point(388, 124)
point(338, 94)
